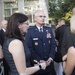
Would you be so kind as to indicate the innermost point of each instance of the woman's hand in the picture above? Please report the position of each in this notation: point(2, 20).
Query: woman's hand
point(43, 65)
point(64, 57)
point(64, 61)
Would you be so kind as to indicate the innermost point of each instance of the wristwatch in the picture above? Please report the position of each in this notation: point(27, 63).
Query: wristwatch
point(40, 66)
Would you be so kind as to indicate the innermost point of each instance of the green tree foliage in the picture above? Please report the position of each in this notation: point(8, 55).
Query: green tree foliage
point(61, 9)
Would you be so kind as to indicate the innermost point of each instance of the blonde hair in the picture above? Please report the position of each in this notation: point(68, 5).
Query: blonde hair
point(73, 11)
point(72, 24)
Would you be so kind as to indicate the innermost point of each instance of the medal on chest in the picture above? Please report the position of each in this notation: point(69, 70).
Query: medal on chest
point(48, 34)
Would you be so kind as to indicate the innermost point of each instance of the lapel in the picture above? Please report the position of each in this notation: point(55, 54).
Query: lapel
point(2, 32)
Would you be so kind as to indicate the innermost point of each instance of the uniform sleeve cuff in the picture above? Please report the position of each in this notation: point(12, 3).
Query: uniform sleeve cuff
point(51, 59)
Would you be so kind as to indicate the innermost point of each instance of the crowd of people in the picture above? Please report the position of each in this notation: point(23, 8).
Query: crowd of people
point(33, 50)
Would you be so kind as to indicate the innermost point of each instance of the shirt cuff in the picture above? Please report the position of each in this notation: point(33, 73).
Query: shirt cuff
point(51, 59)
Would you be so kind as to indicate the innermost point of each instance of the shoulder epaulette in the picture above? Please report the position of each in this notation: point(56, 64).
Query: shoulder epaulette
point(47, 27)
point(31, 27)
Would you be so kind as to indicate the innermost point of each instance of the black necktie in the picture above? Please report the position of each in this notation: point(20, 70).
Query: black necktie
point(41, 33)
point(40, 29)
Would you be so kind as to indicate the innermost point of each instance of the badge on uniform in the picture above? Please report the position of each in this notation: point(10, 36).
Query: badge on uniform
point(48, 34)
point(36, 43)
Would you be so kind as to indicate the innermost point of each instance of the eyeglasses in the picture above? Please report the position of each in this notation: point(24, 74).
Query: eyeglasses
point(26, 23)
point(42, 16)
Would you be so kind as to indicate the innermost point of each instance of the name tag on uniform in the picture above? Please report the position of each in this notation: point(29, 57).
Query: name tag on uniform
point(35, 38)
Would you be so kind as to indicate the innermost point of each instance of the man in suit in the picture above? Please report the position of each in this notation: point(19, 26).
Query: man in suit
point(59, 33)
point(2, 36)
point(3, 29)
point(41, 42)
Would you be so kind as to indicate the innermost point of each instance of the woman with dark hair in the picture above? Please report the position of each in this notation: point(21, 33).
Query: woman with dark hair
point(15, 52)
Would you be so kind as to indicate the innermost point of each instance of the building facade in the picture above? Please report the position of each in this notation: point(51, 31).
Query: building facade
point(28, 7)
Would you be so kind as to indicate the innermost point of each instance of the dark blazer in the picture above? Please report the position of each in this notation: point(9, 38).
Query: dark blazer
point(59, 33)
point(41, 48)
point(1, 37)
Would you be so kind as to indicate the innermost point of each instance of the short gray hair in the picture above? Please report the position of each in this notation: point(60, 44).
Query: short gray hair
point(37, 11)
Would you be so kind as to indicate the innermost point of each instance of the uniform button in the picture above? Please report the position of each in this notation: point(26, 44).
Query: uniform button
point(43, 43)
point(45, 50)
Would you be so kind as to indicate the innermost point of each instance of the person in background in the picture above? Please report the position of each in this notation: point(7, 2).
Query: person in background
point(53, 26)
point(2, 38)
point(59, 33)
point(41, 42)
point(47, 24)
point(16, 54)
point(2, 31)
point(58, 25)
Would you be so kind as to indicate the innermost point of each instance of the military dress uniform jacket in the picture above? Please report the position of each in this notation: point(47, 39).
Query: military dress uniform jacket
point(41, 47)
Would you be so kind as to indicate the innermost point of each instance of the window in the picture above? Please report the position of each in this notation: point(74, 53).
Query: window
point(10, 8)
point(32, 0)
point(7, 13)
point(30, 7)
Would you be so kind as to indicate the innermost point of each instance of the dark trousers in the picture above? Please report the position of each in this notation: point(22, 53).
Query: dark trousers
point(63, 73)
point(50, 73)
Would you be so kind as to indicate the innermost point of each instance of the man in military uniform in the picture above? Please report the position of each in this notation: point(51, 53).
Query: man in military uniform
point(41, 42)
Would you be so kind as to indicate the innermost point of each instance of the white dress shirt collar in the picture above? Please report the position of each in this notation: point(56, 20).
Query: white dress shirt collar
point(3, 29)
point(39, 28)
